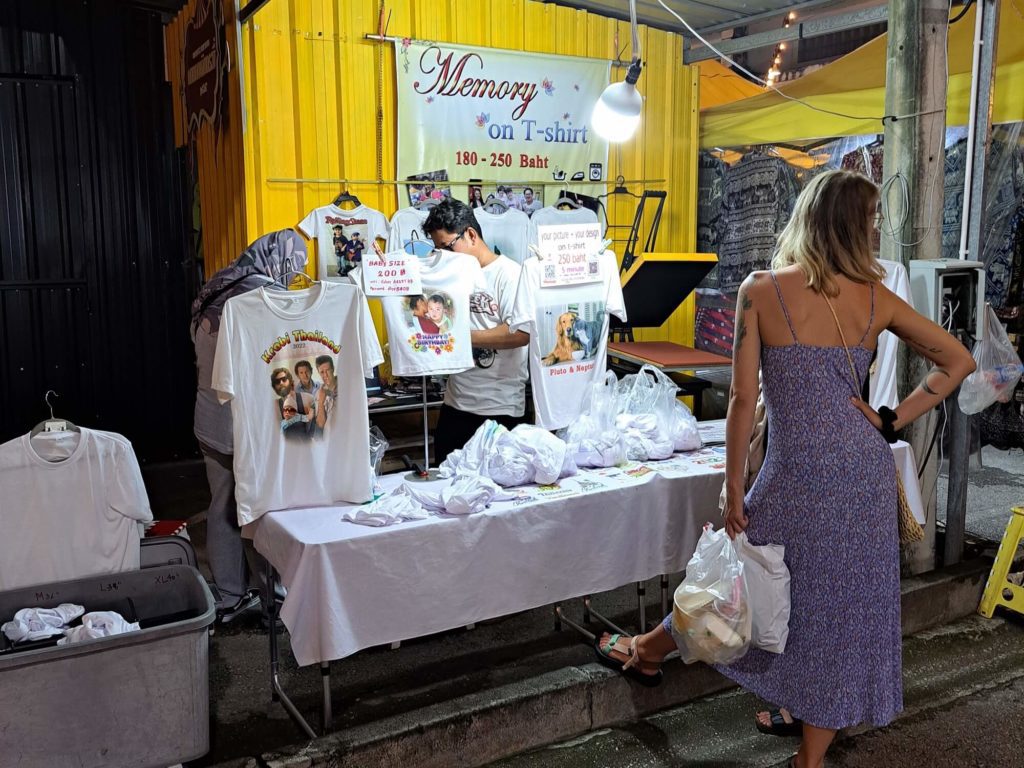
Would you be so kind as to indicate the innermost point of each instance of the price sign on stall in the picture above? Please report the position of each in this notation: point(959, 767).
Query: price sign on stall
point(391, 274)
point(569, 254)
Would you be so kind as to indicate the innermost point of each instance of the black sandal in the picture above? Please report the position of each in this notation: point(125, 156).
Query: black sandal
point(779, 726)
point(629, 667)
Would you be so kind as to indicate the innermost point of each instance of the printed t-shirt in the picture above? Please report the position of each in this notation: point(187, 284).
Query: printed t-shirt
point(429, 333)
point(508, 232)
point(71, 507)
point(405, 232)
point(294, 449)
point(568, 327)
point(343, 236)
point(551, 215)
point(496, 385)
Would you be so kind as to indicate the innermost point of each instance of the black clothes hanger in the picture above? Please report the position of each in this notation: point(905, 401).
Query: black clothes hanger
point(426, 205)
point(566, 200)
point(346, 197)
point(495, 205)
point(619, 189)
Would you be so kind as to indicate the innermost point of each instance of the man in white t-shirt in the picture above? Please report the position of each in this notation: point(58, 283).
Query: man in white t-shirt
point(495, 387)
point(530, 203)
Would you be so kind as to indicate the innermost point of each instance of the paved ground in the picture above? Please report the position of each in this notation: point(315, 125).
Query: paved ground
point(964, 695)
point(993, 489)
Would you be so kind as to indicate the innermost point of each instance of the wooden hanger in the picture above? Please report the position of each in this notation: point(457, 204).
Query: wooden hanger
point(53, 424)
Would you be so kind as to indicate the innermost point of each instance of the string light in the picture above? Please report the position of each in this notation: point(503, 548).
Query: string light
point(774, 70)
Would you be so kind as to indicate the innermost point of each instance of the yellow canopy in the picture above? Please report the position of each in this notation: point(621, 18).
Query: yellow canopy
point(720, 85)
point(855, 85)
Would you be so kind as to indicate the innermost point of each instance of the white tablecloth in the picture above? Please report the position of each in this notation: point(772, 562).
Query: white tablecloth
point(351, 586)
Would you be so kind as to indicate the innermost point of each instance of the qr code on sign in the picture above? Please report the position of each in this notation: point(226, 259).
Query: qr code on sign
point(549, 271)
point(593, 267)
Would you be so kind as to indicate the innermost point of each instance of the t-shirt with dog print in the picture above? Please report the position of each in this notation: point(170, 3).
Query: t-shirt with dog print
point(568, 327)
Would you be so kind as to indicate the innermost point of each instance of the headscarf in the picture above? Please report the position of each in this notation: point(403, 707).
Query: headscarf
point(266, 261)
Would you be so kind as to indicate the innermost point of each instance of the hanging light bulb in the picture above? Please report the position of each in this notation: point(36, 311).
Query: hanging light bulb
point(792, 16)
point(616, 115)
point(782, 46)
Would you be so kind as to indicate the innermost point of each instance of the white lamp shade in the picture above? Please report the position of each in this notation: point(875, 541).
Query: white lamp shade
point(617, 113)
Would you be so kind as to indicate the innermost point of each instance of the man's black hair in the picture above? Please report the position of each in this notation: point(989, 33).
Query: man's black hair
point(527, 189)
point(303, 364)
point(324, 359)
point(453, 216)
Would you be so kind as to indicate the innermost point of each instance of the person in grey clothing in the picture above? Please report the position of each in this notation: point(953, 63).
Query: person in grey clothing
point(267, 261)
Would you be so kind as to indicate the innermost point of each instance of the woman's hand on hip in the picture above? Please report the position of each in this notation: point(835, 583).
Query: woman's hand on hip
point(869, 413)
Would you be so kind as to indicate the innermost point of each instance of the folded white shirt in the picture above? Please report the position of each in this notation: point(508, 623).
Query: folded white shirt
point(40, 623)
point(470, 494)
point(98, 624)
point(388, 509)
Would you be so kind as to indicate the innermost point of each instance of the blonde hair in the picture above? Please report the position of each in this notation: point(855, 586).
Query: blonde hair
point(829, 233)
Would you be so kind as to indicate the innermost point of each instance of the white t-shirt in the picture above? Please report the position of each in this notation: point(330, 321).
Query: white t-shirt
point(568, 327)
point(429, 334)
point(508, 232)
point(71, 507)
point(294, 449)
point(496, 385)
point(883, 372)
point(405, 232)
point(552, 215)
point(530, 208)
point(342, 236)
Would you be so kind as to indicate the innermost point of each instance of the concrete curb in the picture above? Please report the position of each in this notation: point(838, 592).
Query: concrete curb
point(479, 728)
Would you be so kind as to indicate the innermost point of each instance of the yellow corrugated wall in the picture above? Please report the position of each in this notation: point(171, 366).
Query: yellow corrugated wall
point(313, 84)
point(219, 150)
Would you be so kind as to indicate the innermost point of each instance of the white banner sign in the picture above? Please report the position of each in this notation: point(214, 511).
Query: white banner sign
point(481, 113)
point(569, 253)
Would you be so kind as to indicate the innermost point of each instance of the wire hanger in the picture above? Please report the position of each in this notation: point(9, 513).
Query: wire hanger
point(495, 205)
point(285, 279)
point(53, 424)
point(620, 189)
point(346, 197)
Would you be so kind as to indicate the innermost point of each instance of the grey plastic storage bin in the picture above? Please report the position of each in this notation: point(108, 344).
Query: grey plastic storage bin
point(138, 700)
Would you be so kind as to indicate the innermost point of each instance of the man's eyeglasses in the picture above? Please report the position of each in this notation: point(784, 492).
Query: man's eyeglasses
point(450, 246)
point(280, 379)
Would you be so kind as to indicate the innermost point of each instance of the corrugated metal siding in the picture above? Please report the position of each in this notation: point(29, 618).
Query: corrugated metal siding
point(94, 287)
point(218, 149)
point(311, 95)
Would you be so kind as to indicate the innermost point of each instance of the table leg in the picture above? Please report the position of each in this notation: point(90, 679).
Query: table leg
point(664, 594)
point(641, 598)
point(590, 636)
point(325, 680)
point(557, 607)
point(276, 691)
point(586, 609)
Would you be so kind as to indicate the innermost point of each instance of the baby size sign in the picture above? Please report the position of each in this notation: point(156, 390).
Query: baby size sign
point(391, 274)
point(569, 254)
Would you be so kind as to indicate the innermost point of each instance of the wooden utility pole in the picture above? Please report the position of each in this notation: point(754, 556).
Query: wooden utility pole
point(914, 161)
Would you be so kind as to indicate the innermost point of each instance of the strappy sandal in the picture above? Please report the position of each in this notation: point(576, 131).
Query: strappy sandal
point(779, 726)
point(629, 668)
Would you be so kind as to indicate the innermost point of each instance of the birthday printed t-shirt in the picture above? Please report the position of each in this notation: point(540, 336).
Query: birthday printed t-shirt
point(429, 333)
point(343, 236)
point(293, 365)
point(405, 232)
point(568, 327)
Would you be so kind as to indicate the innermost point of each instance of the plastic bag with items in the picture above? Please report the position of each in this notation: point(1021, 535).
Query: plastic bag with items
point(998, 369)
point(593, 439)
point(711, 620)
point(650, 392)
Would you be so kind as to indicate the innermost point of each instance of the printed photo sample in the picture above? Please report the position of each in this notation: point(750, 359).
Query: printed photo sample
point(521, 196)
point(434, 187)
point(349, 242)
point(572, 332)
point(430, 313)
point(304, 390)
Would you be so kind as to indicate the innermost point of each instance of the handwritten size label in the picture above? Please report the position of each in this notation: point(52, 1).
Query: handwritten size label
point(394, 274)
point(569, 254)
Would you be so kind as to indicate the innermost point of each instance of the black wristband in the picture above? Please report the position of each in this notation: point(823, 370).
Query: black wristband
point(888, 416)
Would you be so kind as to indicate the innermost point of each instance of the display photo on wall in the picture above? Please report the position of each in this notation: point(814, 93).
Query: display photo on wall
point(304, 391)
point(522, 196)
point(432, 187)
point(572, 332)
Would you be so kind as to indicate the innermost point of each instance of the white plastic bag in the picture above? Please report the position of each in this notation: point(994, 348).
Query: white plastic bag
point(999, 369)
point(711, 611)
point(767, 577)
point(593, 438)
